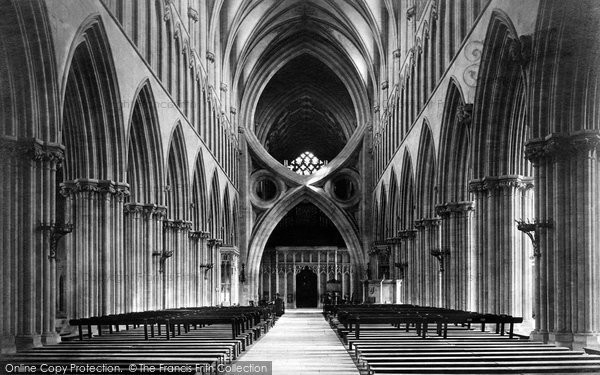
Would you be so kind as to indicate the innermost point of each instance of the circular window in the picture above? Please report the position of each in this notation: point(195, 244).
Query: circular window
point(265, 189)
point(344, 187)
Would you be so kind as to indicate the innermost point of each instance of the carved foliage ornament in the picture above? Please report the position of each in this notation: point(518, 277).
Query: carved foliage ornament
point(561, 146)
point(33, 149)
point(118, 189)
point(499, 183)
point(457, 208)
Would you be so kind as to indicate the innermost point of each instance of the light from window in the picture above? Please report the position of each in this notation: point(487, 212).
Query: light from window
point(306, 164)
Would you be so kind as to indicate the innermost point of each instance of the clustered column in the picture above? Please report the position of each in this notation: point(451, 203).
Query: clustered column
point(142, 241)
point(214, 245)
point(567, 237)
point(428, 268)
point(96, 260)
point(30, 232)
point(501, 253)
point(176, 246)
point(455, 238)
point(409, 260)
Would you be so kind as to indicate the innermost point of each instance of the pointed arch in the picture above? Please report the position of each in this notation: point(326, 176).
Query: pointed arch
point(200, 208)
point(407, 192)
point(393, 203)
point(226, 219)
point(267, 223)
point(28, 76)
point(235, 221)
point(144, 155)
point(383, 225)
point(215, 209)
point(92, 121)
point(499, 107)
point(454, 156)
point(177, 176)
point(426, 173)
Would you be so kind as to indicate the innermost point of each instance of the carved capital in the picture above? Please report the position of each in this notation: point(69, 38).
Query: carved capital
point(384, 85)
point(562, 146)
point(499, 183)
point(133, 208)
point(407, 234)
point(393, 240)
point(108, 187)
point(410, 12)
point(224, 87)
point(457, 208)
point(33, 149)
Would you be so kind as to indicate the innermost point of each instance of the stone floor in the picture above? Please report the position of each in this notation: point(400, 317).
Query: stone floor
point(302, 343)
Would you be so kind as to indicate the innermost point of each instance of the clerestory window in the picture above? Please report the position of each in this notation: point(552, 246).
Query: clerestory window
point(305, 164)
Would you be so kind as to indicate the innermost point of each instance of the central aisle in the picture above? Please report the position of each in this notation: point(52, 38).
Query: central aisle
point(302, 343)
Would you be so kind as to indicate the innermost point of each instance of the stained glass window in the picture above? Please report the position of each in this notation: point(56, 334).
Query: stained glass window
point(306, 163)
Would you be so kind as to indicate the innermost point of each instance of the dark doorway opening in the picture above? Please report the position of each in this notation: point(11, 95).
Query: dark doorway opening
point(306, 288)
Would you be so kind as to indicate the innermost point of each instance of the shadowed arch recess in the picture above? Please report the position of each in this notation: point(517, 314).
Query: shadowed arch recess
point(304, 107)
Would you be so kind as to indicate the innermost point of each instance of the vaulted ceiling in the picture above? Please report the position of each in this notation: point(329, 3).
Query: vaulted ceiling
point(303, 71)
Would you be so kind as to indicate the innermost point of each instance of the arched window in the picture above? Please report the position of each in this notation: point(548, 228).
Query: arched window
point(305, 164)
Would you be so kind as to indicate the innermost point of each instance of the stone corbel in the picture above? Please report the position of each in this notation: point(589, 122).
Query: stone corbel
point(210, 57)
point(532, 231)
point(56, 232)
point(193, 14)
point(410, 12)
point(464, 114)
point(440, 255)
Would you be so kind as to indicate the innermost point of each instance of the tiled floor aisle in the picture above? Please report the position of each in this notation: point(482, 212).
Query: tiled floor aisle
point(302, 343)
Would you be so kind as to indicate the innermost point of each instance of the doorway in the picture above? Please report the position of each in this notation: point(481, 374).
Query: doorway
point(306, 288)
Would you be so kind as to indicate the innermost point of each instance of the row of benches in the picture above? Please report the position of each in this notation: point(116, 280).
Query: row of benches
point(420, 317)
point(382, 348)
point(199, 340)
point(171, 321)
